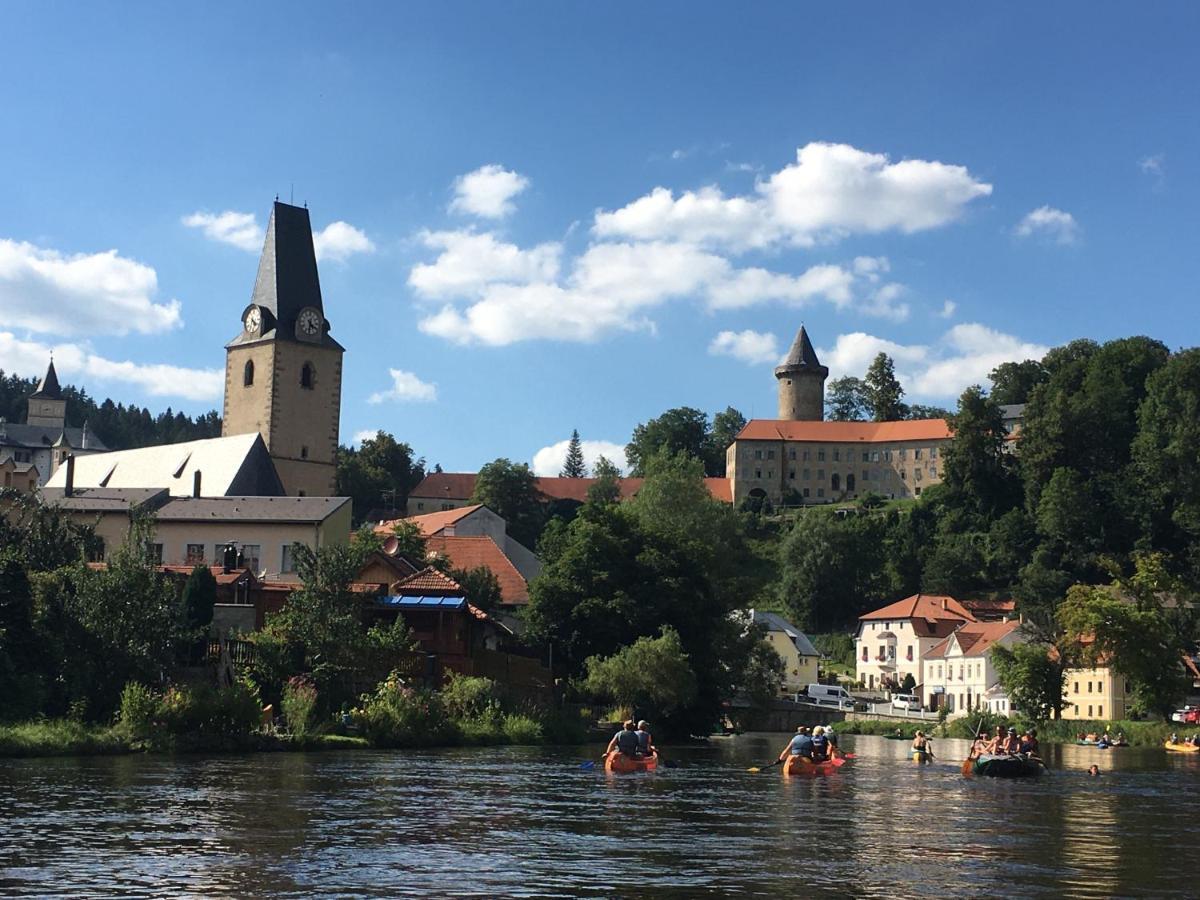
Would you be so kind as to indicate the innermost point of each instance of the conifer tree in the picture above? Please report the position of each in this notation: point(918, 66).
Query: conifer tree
point(573, 467)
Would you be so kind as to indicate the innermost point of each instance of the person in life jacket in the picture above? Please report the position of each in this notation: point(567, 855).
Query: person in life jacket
point(820, 744)
point(625, 741)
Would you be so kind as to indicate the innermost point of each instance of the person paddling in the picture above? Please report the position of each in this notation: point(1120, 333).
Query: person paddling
point(625, 741)
point(800, 745)
point(645, 741)
point(820, 744)
point(920, 743)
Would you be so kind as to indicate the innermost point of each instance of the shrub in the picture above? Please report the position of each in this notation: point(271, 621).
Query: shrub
point(139, 711)
point(519, 729)
point(300, 706)
point(396, 715)
point(470, 697)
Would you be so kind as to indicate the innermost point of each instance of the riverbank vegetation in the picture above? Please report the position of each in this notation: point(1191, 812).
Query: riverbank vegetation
point(1061, 731)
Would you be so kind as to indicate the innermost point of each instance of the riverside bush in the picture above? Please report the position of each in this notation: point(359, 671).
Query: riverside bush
point(396, 715)
point(139, 711)
point(471, 697)
point(199, 713)
point(299, 706)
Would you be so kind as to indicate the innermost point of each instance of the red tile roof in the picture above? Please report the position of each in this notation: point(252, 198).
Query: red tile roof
point(460, 486)
point(846, 432)
point(430, 523)
point(975, 638)
point(922, 606)
point(429, 580)
point(989, 608)
point(473, 552)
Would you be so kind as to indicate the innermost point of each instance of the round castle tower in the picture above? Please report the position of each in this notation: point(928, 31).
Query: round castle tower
point(802, 382)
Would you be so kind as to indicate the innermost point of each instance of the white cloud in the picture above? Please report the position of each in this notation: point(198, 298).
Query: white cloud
point(487, 192)
point(338, 240)
point(948, 309)
point(831, 191)
point(470, 262)
point(98, 293)
point(76, 361)
point(884, 302)
point(962, 356)
point(406, 387)
point(365, 435)
point(1153, 165)
point(239, 229)
point(549, 461)
point(1050, 223)
point(746, 287)
point(751, 347)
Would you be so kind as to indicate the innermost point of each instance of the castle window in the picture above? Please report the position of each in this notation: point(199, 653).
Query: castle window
point(903, 453)
point(837, 455)
point(758, 473)
point(820, 474)
point(303, 452)
point(866, 456)
point(807, 474)
point(836, 481)
point(806, 457)
point(248, 373)
point(850, 482)
point(806, 492)
point(866, 475)
point(820, 492)
point(791, 474)
point(791, 454)
point(917, 453)
point(821, 455)
point(770, 454)
point(933, 452)
point(307, 376)
point(758, 454)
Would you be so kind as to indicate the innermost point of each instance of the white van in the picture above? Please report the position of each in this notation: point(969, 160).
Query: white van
point(830, 695)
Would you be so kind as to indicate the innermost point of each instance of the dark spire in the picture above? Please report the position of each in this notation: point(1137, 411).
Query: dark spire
point(48, 388)
point(801, 358)
point(287, 272)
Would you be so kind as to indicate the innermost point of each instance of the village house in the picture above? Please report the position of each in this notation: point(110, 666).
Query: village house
point(475, 520)
point(892, 641)
point(799, 655)
point(957, 673)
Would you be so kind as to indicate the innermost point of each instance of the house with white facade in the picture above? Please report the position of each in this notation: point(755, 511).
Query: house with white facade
point(892, 641)
point(794, 648)
point(958, 674)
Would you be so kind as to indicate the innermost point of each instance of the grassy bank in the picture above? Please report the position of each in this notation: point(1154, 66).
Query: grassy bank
point(1061, 731)
point(60, 737)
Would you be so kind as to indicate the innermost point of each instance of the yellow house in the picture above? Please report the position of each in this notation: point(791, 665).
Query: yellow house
point(794, 648)
point(1096, 693)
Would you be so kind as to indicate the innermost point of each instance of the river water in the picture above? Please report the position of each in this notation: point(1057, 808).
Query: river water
point(530, 822)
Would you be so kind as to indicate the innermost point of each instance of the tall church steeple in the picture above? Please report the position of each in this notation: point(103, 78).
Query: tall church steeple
point(802, 382)
point(283, 372)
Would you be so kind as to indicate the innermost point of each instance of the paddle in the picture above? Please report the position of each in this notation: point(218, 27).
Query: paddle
point(966, 766)
point(757, 769)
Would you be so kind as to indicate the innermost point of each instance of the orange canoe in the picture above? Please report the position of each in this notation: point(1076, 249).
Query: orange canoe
point(799, 765)
point(625, 765)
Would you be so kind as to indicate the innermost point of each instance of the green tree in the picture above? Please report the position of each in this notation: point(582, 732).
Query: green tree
point(681, 430)
point(1032, 674)
point(831, 570)
point(573, 467)
point(410, 542)
point(977, 475)
point(510, 490)
point(726, 425)
point(1013, 382)
point(378, 475)
point(652, 676)
point(846, 399)
point(924, 411)
point(883, 392)
point(199, 598)
point(480, 585)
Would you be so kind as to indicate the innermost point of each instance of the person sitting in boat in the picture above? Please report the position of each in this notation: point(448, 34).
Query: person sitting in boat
point(800, 745)
point(1173, 739)
point(899, 732)
point(920, 742)
point(1029, 742)
point(832, 739)
point(1104, 738)
point(645, 741)
point(625, 741)
point(996, 744)
point(1012, 743)
point(820, 744)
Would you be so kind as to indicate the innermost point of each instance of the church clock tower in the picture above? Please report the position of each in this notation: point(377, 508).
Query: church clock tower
point(283, 372)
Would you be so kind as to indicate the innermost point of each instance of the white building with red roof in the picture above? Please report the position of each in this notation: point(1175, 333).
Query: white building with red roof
point(957, 672)
point(892, 641)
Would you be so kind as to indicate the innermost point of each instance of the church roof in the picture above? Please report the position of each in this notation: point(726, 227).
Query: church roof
point(42, 437)
point(48, 388)
point(238, 465)
point(802, 356)
point(846, 432)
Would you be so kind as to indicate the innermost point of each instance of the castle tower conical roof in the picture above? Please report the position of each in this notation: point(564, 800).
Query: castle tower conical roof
point(802, 357)
point(48, 388)
point(287, 279)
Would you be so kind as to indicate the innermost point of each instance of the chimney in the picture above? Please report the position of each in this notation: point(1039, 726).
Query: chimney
point(69, 490)
point(196, 484)
point(943, 604)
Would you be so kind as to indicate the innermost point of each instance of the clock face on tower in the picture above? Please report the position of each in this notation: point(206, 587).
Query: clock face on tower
point(310, 322)
point(253, 320)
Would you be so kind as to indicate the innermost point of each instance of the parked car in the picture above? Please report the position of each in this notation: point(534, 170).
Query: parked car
point(1189, 715)
point(906, 701)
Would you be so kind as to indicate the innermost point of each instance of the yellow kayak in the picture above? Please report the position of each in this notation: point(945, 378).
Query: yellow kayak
point(920, 756)
point(1181, 748)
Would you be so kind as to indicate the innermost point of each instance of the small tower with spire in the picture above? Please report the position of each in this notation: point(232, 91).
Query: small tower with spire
point(47, 405)
point(802, 382)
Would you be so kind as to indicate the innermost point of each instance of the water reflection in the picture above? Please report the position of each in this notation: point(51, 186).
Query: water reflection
point(518, 822)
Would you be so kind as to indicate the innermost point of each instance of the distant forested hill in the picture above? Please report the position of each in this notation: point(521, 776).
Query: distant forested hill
point(119, 426)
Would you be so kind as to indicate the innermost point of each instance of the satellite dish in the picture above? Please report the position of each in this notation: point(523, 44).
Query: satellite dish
point(391, 546)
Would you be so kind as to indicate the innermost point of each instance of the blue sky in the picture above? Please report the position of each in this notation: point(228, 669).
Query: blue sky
point(558, 216)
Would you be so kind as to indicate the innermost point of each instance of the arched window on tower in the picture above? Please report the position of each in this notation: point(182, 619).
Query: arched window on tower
point(248, 373)
point(307, 376)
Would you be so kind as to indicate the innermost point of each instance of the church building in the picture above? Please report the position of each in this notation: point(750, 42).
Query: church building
point(283, 371)
point(799, 459)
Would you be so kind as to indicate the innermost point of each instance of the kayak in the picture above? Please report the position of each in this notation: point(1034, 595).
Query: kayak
point(896, 737)
point(1181, 748)
point(991, 766)
point(625, 765)
point(1099, 745)
point(799, 765)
